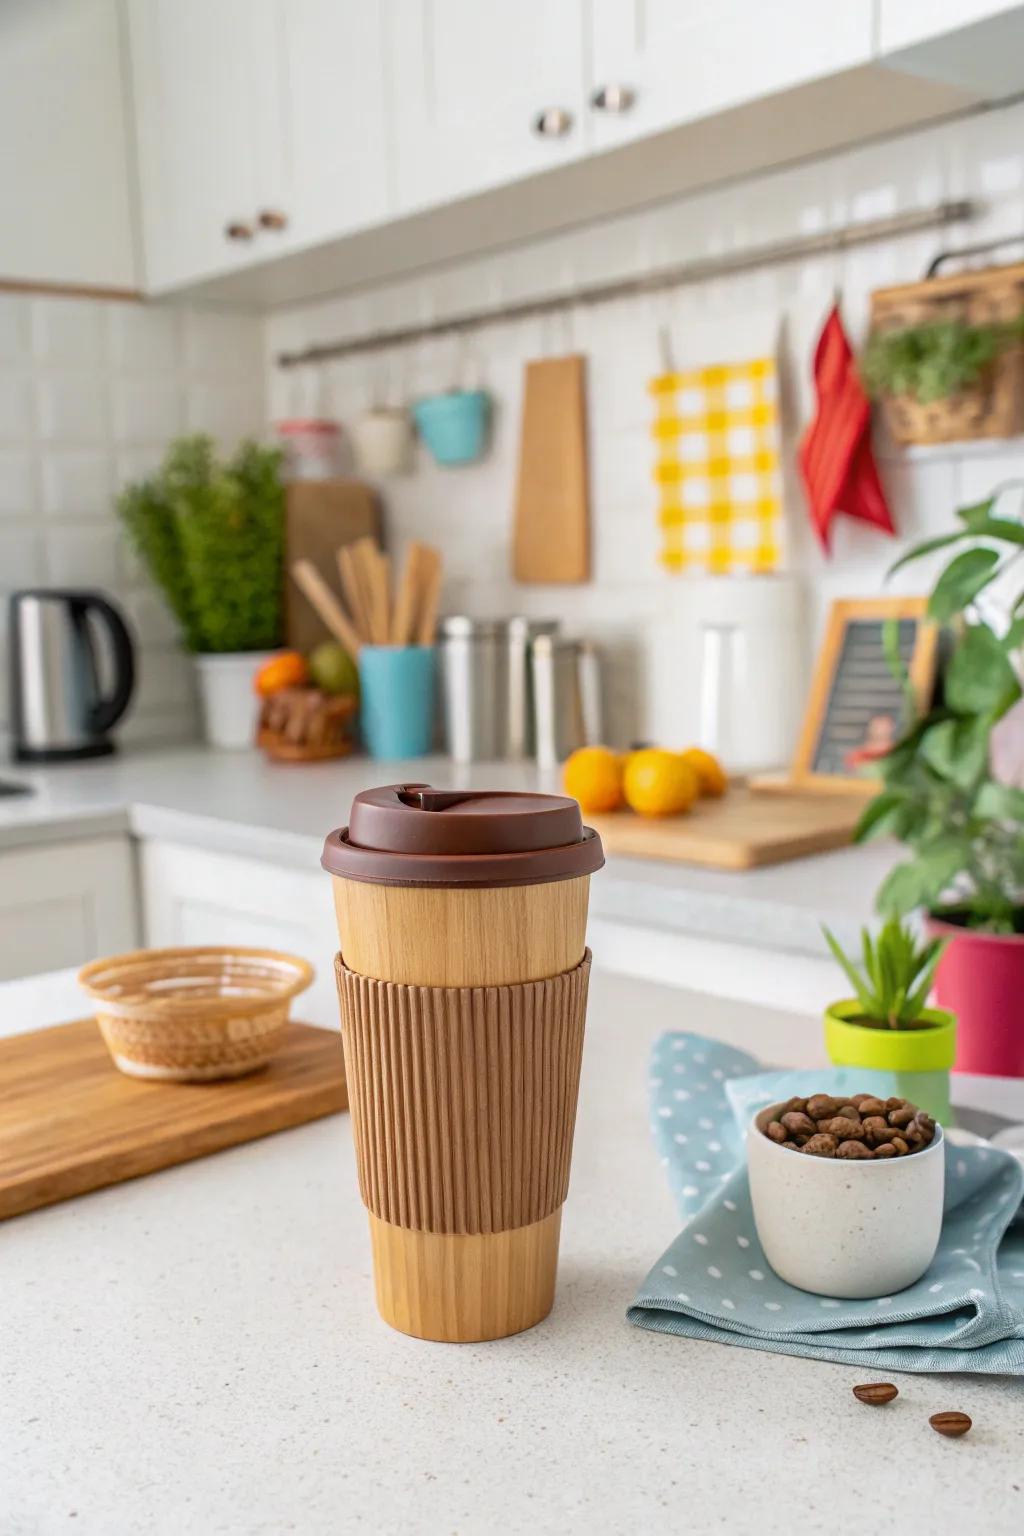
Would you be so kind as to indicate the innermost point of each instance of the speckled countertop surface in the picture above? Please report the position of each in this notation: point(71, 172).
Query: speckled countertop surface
point(198, 1352)
point(237, 802)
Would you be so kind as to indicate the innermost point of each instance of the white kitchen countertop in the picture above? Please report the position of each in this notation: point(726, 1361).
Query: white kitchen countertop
point(198, 1351)
point(238, 802)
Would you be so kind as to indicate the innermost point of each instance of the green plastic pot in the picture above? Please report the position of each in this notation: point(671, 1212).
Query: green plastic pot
point(915, 1062)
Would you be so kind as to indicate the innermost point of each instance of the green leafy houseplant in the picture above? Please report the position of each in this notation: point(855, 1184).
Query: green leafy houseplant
point(936, 360)
point(895, 978)
point(212, 537)
point(965, 830)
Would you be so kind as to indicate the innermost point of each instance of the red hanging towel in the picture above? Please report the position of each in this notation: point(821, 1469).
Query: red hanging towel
point(836, 462)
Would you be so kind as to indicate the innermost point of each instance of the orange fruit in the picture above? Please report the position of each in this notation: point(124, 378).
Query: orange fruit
point(593, 776)
point(710, 774)
point(286, 670)
point(659, 783)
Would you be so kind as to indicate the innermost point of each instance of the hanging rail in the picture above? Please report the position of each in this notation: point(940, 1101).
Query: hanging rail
point(822, 244)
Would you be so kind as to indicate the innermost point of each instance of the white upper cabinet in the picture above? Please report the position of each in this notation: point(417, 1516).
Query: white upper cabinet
point(484, 92)
point(904, 22)
point(974, 45)
point(211, 145)
point(64, 184)
point(336, 116)
point(656, 64)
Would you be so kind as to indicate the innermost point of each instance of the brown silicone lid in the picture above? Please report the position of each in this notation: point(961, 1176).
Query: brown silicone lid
point(412, 834)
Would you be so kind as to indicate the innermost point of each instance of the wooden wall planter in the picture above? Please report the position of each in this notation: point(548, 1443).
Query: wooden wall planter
point(994, 407)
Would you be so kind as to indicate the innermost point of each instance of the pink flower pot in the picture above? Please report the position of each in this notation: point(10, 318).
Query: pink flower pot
point(981, 979)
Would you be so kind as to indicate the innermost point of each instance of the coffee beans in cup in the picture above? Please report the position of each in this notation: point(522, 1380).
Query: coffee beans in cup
point(860, 1127)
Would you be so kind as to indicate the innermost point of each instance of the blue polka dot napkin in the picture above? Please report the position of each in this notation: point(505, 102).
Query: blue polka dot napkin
point(714, 1282)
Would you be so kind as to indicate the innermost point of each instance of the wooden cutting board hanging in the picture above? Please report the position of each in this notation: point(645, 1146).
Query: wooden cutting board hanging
point(320, 517)
point(551, 542)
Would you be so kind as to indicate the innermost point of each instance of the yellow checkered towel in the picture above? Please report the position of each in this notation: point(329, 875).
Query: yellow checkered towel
point(717, 469)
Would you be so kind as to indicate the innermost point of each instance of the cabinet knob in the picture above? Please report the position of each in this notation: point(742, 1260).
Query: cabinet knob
point(613, 98)
point(552, 123)
point(272, 218)
point(237, 230)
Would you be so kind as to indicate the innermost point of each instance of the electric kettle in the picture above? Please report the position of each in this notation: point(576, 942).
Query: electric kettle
point(58, 712)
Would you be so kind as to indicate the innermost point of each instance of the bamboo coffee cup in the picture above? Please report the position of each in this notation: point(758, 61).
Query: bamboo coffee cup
point(462, 979)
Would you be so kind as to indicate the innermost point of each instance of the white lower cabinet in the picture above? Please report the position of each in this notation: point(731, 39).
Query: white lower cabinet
point(191, 896)
point(65, 904)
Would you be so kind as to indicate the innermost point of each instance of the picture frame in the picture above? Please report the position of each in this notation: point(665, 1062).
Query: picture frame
point(855, 706)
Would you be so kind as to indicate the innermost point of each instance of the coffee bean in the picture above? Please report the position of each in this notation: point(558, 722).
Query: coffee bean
point(877, 1393)
point(843, 1127)
point(777, 1131)
point(952, 1425)
point(821, 1145)
point(854, 1149)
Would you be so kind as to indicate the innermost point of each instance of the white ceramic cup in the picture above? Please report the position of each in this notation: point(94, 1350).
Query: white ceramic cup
point(845, 1227)
point(382, 440)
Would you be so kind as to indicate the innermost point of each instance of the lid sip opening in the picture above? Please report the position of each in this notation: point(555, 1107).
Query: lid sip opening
point(416, 834)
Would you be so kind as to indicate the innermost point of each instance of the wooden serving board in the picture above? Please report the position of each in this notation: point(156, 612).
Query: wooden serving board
point(741, 831)
point(70, 1122)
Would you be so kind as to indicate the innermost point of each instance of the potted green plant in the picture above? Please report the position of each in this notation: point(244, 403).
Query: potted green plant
point(965, 828)
point(887, 1025)
point(211, 534)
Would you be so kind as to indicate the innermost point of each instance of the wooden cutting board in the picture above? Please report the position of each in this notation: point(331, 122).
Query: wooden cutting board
point(551, 541)
point(321, 516)
point(71, 1122)
point(742, 831)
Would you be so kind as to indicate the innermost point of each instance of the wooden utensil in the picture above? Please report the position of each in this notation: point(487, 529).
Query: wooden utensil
point(312, 584)
point(430, 592)
point(551, 541)
point(351, 586)
point(73, 1123)
point(405, 603)
point(322, 516)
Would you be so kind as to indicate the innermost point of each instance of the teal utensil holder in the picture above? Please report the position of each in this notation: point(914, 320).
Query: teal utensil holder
point(396, 686)
point(454, 426)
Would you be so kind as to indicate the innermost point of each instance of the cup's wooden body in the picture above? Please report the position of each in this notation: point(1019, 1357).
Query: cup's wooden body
point(455, 1286)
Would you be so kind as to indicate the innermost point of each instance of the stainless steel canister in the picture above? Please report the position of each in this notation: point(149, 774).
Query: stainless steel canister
point(474, 687)
point(520, 739)
point(566, 697)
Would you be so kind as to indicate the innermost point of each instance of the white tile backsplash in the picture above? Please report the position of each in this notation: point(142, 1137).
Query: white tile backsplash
point(67, 331)
point(82, 554)
point(76, 483)
point(17, 483)
point(469, 511)
point(71, 409)
point(147, 410)
point(15, 408)
point(91, 393)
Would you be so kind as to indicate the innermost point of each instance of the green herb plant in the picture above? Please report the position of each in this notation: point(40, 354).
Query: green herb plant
point(211, 535)
point(896, 976)
point(965, 830)
point(936, 360)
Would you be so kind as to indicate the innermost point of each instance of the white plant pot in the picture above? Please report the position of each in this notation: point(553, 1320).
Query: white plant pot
point(230, 707)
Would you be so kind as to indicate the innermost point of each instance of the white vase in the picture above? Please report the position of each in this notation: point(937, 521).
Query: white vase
point(230, 706)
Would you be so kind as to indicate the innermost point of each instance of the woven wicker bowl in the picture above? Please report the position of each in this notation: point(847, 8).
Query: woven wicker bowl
point(193, 1015)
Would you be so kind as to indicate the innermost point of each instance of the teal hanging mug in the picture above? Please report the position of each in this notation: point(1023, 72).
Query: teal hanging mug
point(396, 685)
